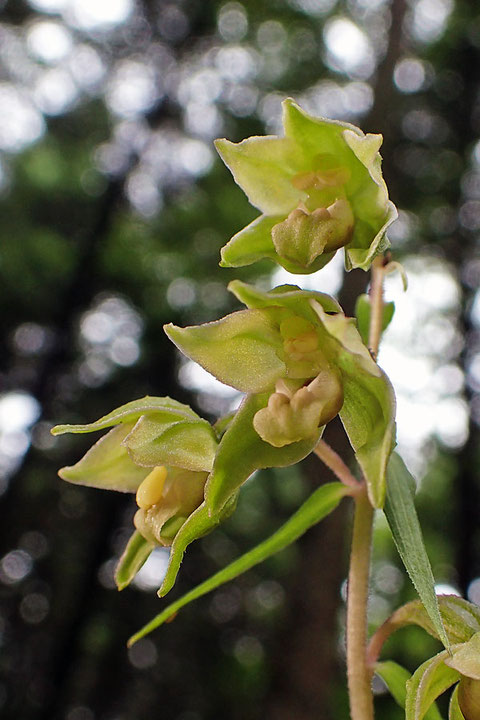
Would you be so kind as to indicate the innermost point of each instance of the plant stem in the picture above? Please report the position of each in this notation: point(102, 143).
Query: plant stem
point(333, 461)
point(359, 675)
point(358, 671)
point(376, 302)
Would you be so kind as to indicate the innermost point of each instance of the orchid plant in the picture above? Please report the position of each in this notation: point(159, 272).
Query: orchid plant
point(300, 362)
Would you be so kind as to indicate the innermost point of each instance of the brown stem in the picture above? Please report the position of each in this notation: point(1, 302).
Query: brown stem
point(333, 461)
point(376, 301)
point(359, 674)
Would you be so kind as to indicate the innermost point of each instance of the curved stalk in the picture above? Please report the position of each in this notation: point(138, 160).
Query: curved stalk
point(333, 461)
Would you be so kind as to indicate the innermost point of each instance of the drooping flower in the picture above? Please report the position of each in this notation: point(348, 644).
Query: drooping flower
point(319, 188)
point(298, 351)
point(162, 451)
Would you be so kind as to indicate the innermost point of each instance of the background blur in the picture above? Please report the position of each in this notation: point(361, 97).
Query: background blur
point(114, 208)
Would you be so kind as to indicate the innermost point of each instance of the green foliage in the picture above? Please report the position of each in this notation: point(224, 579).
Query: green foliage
point(402, 518)
point(320, 504)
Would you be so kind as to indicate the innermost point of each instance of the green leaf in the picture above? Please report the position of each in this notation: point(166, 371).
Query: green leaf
point(466, 658)
point(241, 349)
point(264, 167)
point(242, 451)
point(320, 504)
point(189, 444)
point(454, 712)
point(130, 412)
point(133, 557)
point(363, 311)
point(107, 464)
point(403, 521)
point(429, 681)
point(395, 678)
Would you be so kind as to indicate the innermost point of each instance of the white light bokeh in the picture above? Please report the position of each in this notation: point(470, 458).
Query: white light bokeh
point(21, 124)
point(430, 18)
point(49, 41)
point(348, 48)
point(151, 574)
point(97, 14)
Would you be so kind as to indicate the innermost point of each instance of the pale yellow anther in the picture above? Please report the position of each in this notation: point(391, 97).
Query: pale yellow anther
point(150, 490)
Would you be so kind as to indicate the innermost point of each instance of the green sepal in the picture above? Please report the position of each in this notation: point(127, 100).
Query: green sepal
point(107, 464)
point(461, 619)
point(242, 349)
point(133, 557)
point(368, 412)
point(190, 444)
point(363, 313)
point(251, 244)
point(320, 504)
point(454, 711)
point(198, 524)
point(429, 681)
point(403, 521)
point(242, 451)
point(130, 413)
point(466, 658)
point(263, 167)
point(395, 678)
point(288, 296)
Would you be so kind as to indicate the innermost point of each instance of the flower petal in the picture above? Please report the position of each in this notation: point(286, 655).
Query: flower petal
point(263, 167)
point(242, 349)
point(107, 464)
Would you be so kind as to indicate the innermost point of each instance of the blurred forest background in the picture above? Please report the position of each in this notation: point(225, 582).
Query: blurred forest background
point(114, 208)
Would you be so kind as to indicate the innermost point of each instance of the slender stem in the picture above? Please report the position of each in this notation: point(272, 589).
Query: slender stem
point(333, 461)
point(376, 301)
point(358, 671)
point(359, 674)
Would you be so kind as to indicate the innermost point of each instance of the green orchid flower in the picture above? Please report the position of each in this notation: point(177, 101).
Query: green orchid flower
point(459, 665)
point(159, 449)
point(297, 351)
point(319, 188)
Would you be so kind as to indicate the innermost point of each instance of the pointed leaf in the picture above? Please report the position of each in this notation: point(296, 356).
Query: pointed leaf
point(133, 557)
point(241, 349)
point(454, 712)
point(130, 413)
point(264, 167)
point(107, 464)
point(403, 521)
point(363, 311)
point(189, 444)
point(395, 678)
point(429, 681)
point(242, 451)
point(320, 504)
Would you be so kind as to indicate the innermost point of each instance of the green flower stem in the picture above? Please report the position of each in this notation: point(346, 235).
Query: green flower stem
point(358, 671)
point(333, 461)
point(359, 674)
point(376, 298)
